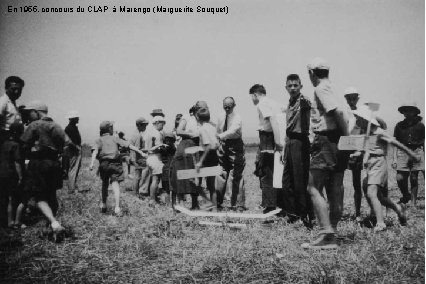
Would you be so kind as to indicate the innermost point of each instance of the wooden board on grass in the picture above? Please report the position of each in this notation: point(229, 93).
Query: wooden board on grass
point(219, 224)
point(354, 142)
point(204, 172)
point(226, 214)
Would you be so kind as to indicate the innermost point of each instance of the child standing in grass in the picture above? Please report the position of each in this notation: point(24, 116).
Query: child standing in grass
point(210, 144)
point(11, 172)
point(375, 182)
point(106, 149)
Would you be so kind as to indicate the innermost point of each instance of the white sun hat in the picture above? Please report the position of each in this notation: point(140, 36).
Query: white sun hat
point(73, 114)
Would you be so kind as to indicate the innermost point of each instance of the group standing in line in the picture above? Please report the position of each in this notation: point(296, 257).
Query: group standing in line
point(311, 158)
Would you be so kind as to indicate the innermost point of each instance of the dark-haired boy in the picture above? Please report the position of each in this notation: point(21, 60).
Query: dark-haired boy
point(296, 201)
point(110, 165)
point(269, 135)
point(9, 112)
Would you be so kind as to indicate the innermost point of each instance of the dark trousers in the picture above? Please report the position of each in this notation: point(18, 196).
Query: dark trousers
point(232, 160)
point(265, 172)
point(296, 202)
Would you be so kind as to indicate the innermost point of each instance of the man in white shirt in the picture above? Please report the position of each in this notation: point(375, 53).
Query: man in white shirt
point(269, 135)
point(231, 154)
point(8, 110)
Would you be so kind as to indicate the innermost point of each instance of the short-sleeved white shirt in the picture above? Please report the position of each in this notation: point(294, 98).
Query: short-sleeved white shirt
point(191, 124)
point(8, 113)
point(324, 102)
point(266, 108)
point(208, 136)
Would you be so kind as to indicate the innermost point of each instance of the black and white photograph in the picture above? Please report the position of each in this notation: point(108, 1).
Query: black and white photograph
point(212, 141)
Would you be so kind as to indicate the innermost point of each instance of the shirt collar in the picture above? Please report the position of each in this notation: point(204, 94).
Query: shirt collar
point(294, 99)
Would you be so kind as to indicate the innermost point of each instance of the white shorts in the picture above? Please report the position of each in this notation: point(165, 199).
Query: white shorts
point(154, 164)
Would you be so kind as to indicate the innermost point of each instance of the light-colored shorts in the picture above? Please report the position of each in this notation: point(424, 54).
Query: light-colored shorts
point(377, 171)
point(405, 163)
point(155, 165)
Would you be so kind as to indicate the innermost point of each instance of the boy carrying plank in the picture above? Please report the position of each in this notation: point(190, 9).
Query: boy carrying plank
point(375, 182)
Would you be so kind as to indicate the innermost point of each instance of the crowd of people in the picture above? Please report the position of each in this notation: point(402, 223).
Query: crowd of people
point(36, 155)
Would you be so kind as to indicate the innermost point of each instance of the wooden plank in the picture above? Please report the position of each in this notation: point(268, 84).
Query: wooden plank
point(204, 172)
point(193, 150)
point(218, 224)
point(277, 181)
point(354, 142)
point(226, 214)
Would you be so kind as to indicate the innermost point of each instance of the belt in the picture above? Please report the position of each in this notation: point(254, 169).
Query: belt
point(295, 135)
point(332, 135)
point(233, 141)
point(376, 155)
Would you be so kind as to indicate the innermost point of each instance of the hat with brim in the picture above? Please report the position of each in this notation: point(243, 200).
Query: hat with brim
point(351, 91)
point(36, 105)
point(407, 107)
point(156, 112)
point(158, 118)
point(170, 135)
point(365, 113)
point(318, 63)
point(73, 114)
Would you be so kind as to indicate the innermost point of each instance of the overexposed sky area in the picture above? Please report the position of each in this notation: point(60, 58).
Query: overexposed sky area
point(120, 66)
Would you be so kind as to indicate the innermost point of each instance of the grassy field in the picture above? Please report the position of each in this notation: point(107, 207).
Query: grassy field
point(154, 245)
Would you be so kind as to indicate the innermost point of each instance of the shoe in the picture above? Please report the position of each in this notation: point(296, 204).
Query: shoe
point(118, 212)
point(268, 209)
point(380, 227)
point(207, 207)
point(103, 208)
point(84, 190)
point(130, 176)
point(232, 208)
point(403, 217)
point(58, 232)
point(404, 200)
point(308, 223)
point(241, 209)
point(324, 241)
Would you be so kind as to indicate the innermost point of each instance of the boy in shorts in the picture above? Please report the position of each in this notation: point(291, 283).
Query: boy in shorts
point(209, 157)
point(411, 133)
point(375, 182)
point(106, 149)
point(154, 140)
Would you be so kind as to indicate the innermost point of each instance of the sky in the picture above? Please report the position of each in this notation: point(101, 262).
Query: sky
point(120, 66)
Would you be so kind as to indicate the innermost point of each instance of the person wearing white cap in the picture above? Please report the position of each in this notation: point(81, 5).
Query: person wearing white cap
point(376, 179)
point(411, 133)
point(327, 166)
point(153, 140)
point(72, 153)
